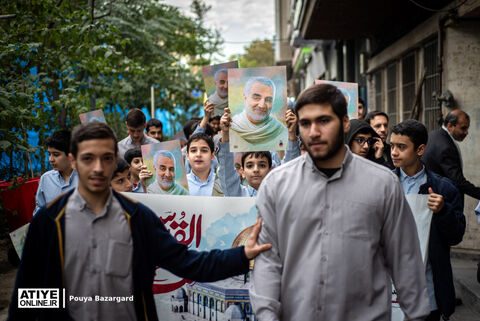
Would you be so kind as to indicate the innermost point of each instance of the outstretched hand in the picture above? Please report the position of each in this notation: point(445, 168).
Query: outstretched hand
point(252, 248)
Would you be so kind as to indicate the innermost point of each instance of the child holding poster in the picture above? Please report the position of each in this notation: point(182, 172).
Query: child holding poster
point(256, 165)
point(164, 160)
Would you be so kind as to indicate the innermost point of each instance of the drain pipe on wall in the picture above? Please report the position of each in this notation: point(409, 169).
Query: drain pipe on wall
point(440, 35)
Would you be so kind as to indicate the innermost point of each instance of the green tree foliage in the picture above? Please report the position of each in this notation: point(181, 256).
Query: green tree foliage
point(93, 55)
point(258, 54)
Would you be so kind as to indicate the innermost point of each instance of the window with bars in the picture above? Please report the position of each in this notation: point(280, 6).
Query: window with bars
point(378, 90)
point(408, 84)
point(431, 110)
point(392, 94)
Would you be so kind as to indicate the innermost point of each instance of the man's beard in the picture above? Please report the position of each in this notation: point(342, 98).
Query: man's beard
point(337, 144)
point(164, 183)
point(222, 93)
point(255, 117)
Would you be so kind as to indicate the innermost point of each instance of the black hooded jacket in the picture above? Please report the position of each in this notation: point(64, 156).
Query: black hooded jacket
point(357, 126)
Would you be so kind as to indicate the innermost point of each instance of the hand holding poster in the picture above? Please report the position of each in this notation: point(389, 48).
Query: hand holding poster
point(349, 90)
point(423, 217)
point(216, 85)
point(258, 101)
point(165, 161)
point(203, 224)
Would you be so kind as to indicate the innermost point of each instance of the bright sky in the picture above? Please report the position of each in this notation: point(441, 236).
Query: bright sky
point(239, 21)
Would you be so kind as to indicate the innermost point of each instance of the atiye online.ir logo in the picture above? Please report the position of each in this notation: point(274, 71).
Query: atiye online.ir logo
point(41, 298)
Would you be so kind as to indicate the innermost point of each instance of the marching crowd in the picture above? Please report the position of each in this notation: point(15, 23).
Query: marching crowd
point(334, 224)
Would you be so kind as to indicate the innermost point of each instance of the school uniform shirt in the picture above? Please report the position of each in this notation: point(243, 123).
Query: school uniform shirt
point(211, 187)
point(127, 143)
point(52, 185)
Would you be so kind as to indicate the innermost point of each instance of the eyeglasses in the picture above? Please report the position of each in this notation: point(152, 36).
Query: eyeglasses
point(361, 140)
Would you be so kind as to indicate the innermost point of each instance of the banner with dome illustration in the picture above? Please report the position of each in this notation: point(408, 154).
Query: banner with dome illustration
point(203, 223)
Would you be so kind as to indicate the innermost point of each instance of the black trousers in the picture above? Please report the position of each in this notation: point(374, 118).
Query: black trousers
point(433, 316)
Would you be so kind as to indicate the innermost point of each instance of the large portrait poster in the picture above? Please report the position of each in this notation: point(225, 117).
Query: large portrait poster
point(203, 223)
point(257, 102)
point(165, 161)
point(423, 218)
point(216, 85)
point(349, 90)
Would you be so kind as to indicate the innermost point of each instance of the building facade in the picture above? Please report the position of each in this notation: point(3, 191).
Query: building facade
point(411, 59)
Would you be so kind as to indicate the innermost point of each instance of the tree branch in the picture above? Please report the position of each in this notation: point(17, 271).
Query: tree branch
point(8, 16)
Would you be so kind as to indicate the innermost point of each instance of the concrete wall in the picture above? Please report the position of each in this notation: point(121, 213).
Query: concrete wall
point(462, 77)
point(315, 68)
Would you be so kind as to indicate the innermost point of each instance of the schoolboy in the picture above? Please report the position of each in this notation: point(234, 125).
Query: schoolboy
point(138, 171)
point(155, 129)
point(121, 177)
point(94, 241)
point(136, 123)
point(255, 165)
point(408, 141)
point(62, 177)
point(202, 179)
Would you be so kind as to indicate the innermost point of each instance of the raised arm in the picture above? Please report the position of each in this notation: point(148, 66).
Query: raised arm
point(229, 178)
point(293, 150)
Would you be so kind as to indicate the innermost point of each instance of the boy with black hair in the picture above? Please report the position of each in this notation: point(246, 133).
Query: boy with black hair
point(136, 123)
point(202, 179)
point(408, 141)
point(138, 171)
point(155, 129)
point(93, 241)
point(214, 122)
point(121, 177)
point(256, 165)
point(361, 109)
point(62, 177)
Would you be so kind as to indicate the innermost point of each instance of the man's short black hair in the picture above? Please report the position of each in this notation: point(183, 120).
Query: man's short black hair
point(155, 123)
point(136, 118)
point(453, 116)
point(89, 131)
point(132, 153)
point(415, 130)
point(323, 94)
point(122, 165)
point(361, 101)
point(374, 113)
point(201, 136)
point(257, 155)
point(60, 140)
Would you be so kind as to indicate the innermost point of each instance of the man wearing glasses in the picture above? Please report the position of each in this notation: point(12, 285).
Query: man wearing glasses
point(254, 124)
point(364, 141)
